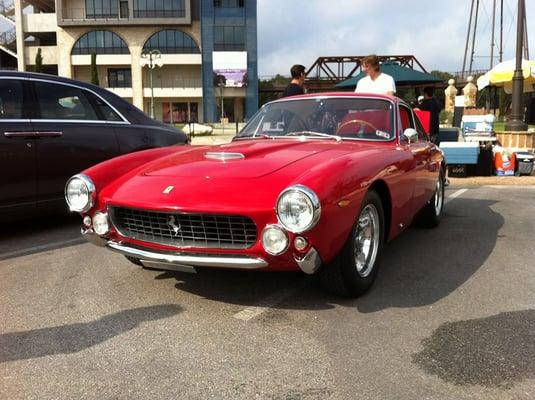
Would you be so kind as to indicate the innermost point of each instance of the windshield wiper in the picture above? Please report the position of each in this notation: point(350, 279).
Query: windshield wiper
point(313, 133)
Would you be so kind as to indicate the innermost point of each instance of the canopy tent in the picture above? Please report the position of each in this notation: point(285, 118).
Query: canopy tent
point(403, 76)
point(502, 76)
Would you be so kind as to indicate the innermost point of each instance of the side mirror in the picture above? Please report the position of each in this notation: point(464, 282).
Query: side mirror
point(410, 134)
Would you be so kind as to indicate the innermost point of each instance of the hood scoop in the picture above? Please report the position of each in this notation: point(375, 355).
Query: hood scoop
point(223, 156)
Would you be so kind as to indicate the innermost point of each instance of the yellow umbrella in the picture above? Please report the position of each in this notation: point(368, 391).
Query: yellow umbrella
point(502, 76)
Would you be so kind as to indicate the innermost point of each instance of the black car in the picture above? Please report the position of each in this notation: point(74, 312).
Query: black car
point(51, 128)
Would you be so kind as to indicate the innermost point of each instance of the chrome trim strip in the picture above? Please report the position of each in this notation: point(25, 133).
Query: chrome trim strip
point(30, 134)
point(78, 121)
point(223, 156)
point(190, 259)
point(310, 263)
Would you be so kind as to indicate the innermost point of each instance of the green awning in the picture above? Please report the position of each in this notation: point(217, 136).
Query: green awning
point(403, 76)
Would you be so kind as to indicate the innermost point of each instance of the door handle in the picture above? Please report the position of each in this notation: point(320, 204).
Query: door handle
point(20, 134)
point(43, 134)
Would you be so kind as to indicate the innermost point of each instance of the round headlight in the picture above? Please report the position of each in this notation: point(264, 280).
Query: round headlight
point(80, 193)
point(101, 225)
point(275, 240)
point(298, 208)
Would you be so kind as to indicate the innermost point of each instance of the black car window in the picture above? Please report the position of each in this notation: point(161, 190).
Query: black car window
point(63, 102)
point(105, 110)
point(10, 99)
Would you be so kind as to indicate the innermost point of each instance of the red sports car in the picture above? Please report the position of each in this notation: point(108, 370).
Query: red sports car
point(317, 183)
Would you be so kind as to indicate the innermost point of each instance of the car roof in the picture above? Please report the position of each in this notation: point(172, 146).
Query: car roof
point(49, 77)
point(343, 94)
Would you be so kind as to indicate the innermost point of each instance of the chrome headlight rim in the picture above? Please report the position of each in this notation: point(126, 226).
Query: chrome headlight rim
point(281, 229)
point(90, 188)
point(316, 205)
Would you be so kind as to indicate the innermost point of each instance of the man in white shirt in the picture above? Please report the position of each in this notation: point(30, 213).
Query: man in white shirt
point(376, 81)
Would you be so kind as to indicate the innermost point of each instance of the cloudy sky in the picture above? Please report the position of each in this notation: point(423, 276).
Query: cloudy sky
point(300, 31)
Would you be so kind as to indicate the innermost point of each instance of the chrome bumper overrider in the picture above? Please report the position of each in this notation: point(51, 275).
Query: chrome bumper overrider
point(310, 263)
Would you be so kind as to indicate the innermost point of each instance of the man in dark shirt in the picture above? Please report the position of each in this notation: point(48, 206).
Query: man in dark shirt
point(431, 104)
point(296, 85)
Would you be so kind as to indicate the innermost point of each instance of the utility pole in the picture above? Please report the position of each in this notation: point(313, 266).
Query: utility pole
point(516, 122)
point(492, 35)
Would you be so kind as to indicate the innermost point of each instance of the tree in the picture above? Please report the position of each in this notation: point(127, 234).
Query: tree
point(38, 61)
point(94, 71)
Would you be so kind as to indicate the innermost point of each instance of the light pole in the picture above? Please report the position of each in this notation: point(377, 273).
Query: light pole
point(516, 123)
point(151, 59)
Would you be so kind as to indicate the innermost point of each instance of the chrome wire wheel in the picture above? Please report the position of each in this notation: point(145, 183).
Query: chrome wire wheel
point(367, 239)
point(439, 196)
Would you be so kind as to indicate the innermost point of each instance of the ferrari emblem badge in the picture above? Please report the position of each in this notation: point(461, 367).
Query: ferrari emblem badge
point(168, 189)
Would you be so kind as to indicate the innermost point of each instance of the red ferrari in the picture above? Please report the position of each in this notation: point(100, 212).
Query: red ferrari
point(317, 183)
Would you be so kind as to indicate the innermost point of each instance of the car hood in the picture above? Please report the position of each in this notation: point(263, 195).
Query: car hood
point(239, 159)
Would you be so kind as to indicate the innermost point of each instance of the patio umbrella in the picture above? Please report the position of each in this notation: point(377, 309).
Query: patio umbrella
point(403, 76)
point(502, 76)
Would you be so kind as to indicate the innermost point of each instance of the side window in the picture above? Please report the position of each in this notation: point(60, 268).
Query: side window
point(422, 136)
point(105, 110)
point(406, 118)
point(58, 101)
point(10, 99)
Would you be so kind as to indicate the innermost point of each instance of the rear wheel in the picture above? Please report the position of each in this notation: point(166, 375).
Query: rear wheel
point(431, 214)
point(354, 269)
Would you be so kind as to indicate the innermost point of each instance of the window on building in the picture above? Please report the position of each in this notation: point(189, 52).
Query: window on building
point(159, 8)
point(101, 8)
point(119, 77)
point(63, 102)
point(172, 41)
point(179, 113)
point(100, 42)
point(228, 3)
point(10, 99)
point(229, 38)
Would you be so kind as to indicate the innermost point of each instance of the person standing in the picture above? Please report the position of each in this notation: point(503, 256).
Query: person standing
point(431, 104)
point(376, 82)
point(295, 87)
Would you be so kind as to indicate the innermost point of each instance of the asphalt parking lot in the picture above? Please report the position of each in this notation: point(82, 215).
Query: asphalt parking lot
point(451, 316)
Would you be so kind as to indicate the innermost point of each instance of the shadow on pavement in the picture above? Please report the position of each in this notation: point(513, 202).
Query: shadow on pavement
point(418, 268)
point(496, 351)
point(42, 234)
point(77, 337)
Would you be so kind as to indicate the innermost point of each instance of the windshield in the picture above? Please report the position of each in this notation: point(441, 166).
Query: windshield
point(350, 118)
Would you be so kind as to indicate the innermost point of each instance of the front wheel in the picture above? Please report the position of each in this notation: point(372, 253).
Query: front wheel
point(354, 269)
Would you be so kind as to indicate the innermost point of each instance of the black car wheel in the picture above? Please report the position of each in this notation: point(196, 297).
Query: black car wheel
point(354, 269)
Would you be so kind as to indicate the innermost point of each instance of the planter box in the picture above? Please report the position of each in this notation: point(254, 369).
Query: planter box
point(517, 140)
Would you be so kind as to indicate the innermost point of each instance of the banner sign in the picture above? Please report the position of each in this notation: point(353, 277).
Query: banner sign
point(230, 68)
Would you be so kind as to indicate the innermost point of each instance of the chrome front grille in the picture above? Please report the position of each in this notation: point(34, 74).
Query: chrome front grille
point(185, 230)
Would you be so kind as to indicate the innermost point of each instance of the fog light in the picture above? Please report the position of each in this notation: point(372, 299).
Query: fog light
point(274, 239)
point(100, 223)
point(87, 221)
point(300, 243)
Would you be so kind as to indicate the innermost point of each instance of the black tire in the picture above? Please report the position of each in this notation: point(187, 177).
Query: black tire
point(431, 214)
point(134, 260)
point(342, 276)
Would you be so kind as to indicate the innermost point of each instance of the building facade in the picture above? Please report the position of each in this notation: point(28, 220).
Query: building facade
point(187, 39)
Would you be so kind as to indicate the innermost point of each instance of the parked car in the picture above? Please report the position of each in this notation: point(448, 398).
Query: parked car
point(316, 183)
point(52, 127)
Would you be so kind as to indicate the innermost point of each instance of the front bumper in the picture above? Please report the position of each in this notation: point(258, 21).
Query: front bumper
point(180, 261)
